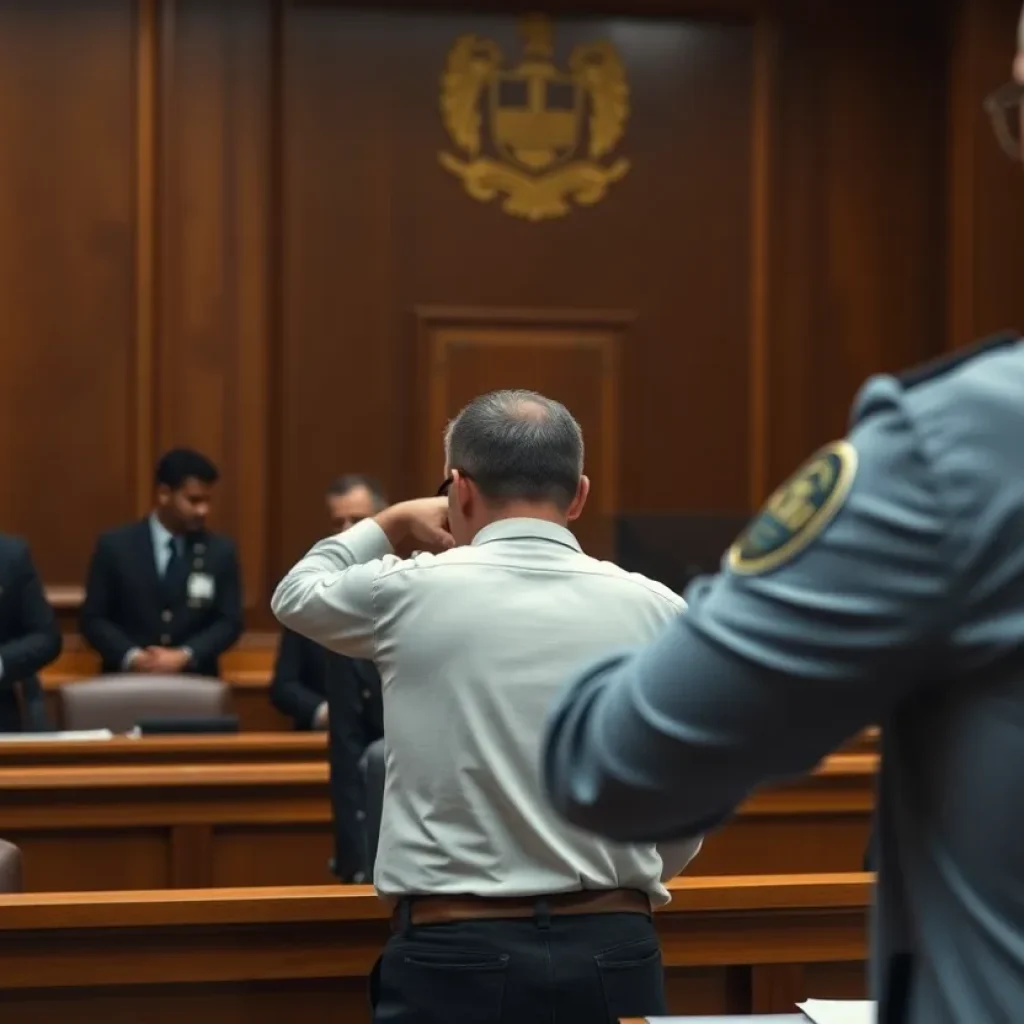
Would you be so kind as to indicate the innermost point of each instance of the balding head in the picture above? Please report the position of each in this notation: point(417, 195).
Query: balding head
point(513, 455)
point(517, 446)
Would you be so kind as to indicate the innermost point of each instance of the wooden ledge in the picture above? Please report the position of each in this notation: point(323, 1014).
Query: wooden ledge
point(191, 776)
point(187, 908)
point(79, 754)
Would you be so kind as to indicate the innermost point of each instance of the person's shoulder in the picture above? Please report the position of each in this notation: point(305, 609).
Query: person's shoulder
point(217, 543)
point(115, 536)
point(634, 582)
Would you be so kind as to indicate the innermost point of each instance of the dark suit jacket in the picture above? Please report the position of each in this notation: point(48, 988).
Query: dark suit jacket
point(299, 685)
point(356, 720)
point(306, 674)
point(127, 604)
point(29, 636)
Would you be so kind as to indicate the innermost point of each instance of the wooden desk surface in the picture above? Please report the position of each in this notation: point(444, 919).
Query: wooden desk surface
point(737, 945)
point(271, 747)
point(167, 825)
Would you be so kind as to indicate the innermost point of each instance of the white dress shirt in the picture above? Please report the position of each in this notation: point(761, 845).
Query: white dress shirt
point(473, 647)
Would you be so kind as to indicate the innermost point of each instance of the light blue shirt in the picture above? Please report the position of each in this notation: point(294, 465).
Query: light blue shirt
point(162, 539)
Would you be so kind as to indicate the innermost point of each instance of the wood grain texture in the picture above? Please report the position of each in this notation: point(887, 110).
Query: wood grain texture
point(243, 951)
point(218, 820)
point(220, 218)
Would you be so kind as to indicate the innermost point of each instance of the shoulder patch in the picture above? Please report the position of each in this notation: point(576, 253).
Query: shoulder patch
point(797, 512)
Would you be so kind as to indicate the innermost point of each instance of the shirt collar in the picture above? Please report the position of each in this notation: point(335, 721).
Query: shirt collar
point(526, 529)
point(160, 534)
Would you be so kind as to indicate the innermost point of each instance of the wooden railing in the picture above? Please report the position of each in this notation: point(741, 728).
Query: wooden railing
point(159, 825)
point(731, 945)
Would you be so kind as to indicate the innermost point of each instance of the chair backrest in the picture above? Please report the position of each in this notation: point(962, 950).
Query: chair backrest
point(374, 768)
point(118, 703)
point(10, 868)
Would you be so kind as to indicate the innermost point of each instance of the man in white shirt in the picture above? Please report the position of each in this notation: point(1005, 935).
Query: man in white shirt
point(502, 911)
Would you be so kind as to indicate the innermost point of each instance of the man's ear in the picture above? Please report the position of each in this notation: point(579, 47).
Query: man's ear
point(582, 492)
point(463, 491)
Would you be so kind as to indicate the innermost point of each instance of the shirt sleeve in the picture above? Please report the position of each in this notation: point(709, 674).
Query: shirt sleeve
point(767, 672)
point(328, 595)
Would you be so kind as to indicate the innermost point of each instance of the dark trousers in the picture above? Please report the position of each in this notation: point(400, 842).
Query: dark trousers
point(548, 969)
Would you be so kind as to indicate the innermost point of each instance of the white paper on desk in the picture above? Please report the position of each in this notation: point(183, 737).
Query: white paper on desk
point(837, 1011)
point(42, 737)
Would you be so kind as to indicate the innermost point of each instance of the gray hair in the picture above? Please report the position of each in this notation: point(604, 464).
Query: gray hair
point(517, 446)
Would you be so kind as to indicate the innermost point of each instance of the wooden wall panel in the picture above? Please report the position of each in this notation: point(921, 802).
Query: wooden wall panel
point(66, 274)
point(986, 189)
point(215, 186)
point(375, 227)
point(572, 356)
point(220, 217)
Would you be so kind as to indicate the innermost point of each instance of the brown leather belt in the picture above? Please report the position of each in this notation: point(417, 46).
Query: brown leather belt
point(442, 909)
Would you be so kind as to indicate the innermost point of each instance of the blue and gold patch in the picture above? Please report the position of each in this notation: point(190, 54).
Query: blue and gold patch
point(797, 512)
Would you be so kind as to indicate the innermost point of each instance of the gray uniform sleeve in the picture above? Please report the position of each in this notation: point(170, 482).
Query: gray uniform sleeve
point(767, 672)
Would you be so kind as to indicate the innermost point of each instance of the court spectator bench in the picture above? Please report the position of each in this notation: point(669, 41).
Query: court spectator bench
point(120, 702)
point(731, 945)
point(161, 825)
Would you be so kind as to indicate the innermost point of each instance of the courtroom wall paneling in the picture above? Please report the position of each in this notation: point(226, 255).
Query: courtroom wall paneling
point(221, 219)
point(67, 360)
point(369, 239)
point(213, 301)
point(986, 188)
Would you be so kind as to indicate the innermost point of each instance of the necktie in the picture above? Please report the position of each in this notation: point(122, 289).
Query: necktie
point(172, 557)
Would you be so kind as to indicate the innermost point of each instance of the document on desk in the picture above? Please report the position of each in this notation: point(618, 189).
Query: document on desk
point(836, 1011)
point(42, 737)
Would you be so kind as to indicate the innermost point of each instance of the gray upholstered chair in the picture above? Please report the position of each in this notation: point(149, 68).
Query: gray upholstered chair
point(118, 703)
point(10, 868)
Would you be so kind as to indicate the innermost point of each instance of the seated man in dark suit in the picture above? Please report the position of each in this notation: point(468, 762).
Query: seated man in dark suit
point(299, 686)
point(29, 636)
point(163, 594)
point(321, 690)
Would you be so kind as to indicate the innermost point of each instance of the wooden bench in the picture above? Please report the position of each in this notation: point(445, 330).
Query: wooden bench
point(244, 748)
point(156, 826)
point(731, 945)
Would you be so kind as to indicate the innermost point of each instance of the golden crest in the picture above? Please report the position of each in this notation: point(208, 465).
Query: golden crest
point(538, 120)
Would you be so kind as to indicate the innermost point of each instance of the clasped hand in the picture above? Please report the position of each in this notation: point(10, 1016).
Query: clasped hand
point(419, 525)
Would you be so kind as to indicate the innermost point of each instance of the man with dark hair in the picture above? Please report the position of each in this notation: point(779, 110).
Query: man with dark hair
point(319, 689)
point(29, 637)
point(501, 911)
point(164, 595)
point(353, 498)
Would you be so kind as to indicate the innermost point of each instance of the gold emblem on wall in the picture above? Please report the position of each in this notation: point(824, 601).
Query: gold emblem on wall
point(538, 119)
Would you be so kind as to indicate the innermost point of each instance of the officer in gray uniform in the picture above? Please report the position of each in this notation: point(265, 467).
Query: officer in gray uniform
point(883, 583)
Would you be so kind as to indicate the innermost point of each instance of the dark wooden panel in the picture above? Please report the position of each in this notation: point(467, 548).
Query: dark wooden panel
point(730, 946)
point(986, 188)
point(66, 274)
point(571, 356)
point(219, 218)
point(369, 239)
point(214, 236)
point(249, 823)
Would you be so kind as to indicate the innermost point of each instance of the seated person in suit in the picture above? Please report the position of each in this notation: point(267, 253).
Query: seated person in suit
point(299, 686)
point(163, 594)
point(318, 689)
point(29, 636)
